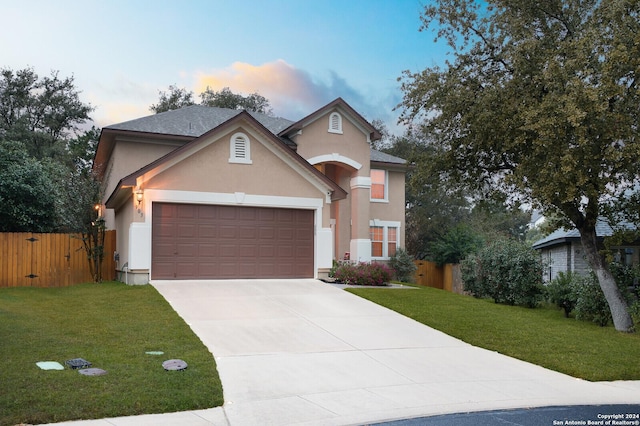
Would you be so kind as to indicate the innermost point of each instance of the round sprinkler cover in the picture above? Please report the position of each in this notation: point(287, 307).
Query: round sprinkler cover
point(174, 365)
point(92, 372)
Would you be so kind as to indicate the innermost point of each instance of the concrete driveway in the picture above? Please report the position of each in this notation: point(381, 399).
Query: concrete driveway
point(306, 352)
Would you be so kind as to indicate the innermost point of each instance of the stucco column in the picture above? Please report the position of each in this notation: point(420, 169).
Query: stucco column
point(360, 239)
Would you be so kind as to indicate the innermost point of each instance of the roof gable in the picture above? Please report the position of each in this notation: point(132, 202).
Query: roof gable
point(275, 144)
point(343, 107)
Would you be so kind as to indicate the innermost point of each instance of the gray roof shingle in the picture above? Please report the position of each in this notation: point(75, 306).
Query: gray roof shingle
point(386, 158)
point(195, 120)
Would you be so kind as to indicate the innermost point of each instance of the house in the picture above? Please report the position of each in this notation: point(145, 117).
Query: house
point(562, 251)
point(211, 193)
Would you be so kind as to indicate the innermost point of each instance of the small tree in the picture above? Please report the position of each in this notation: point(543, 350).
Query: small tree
point(562, 291)
point(403, 265)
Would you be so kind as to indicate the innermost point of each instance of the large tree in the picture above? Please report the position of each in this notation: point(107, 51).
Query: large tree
point(539, 101)
point(40, 112)
point(178, 97)
point(174, 98)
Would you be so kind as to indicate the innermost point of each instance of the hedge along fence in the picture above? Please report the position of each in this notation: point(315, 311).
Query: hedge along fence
point(50, 260)
point(445, 277)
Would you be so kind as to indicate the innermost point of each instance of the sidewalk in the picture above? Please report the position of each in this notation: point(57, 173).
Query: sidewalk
point(301, 352)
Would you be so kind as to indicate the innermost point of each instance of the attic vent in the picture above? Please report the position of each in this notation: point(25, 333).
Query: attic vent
point(240, 149)
point(335, 123)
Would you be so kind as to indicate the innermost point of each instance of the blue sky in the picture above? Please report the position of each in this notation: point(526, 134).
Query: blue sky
point(299, 54)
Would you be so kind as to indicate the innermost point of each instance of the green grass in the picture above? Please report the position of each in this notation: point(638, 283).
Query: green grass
point(541, 336)
point(111, 325)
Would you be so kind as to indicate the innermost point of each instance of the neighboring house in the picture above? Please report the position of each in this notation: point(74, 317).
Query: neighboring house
point(211, 193)
point(562, 251)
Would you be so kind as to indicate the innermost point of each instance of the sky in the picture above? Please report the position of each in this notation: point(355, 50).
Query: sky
point(299, 54)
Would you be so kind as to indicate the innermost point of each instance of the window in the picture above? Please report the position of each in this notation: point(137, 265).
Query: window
point(378, 185)
point(335, 123)
point(384, 238)
point(377, 240)
point(240, 149)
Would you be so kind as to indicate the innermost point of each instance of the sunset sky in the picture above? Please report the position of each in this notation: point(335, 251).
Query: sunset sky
point(299, 54)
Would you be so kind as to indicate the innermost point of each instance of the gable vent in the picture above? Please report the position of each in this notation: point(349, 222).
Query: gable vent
point(335, 123)
point(240, 149)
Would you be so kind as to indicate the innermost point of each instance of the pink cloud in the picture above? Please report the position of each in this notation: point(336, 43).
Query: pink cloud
point(292, 92)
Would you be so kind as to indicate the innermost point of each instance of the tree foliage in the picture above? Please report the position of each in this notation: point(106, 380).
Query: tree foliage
point(225, 98)
point(28, 194)
point(176, 97)
point(506, 270)
point(40, 112)
point(442, 213)
point(540, 103)
point(46, 181)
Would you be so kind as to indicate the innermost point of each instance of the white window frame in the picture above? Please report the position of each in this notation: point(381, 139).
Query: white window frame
point(233, 149)
point(335, 127)
point(386, 188)
point(385, 225)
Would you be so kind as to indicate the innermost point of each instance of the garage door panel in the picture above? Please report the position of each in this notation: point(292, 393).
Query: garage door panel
point(231, 242)
point(247, 233)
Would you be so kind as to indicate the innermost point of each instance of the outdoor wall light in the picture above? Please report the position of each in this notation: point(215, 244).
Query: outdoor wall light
point(139, 196)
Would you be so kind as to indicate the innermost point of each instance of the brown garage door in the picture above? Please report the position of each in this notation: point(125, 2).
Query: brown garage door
point(191, 241)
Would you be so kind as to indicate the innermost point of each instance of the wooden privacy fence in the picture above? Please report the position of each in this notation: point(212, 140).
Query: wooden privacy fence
point(50, 260)
point(446, 277)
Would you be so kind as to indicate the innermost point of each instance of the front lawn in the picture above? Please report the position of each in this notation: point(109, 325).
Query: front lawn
point(541, 336)
point(111, 325)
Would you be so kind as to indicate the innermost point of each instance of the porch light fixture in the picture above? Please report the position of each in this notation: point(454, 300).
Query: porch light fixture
point(139, 196)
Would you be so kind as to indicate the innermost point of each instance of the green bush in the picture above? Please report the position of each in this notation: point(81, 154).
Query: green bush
point(506, 270)
point(591, 304)
point(403, 265)
point(561, 291)
point(626, 278)
point(457, 243)
point(377, 274)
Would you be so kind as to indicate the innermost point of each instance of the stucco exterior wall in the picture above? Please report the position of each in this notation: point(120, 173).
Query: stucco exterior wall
point(316, 140)
point(123, 219)
point(126, 158)
point(209, 170)
point(394, 209)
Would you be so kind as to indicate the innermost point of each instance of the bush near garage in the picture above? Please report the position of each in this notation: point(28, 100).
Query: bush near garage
point(376, 274)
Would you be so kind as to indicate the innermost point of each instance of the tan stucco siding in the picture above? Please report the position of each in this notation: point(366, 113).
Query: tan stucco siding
point(209, 170)
point(394, 209)
point(316, 140)
point(124, 216)
point(127, 157)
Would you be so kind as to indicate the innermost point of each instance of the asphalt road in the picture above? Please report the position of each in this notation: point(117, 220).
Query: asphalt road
point(605, 415)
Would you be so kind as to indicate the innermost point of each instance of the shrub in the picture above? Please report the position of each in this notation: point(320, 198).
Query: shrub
point(561, 291)
point(457, 243)
point(363, 274)
point(591, 304)
point(403, 265)
point(506, 270)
